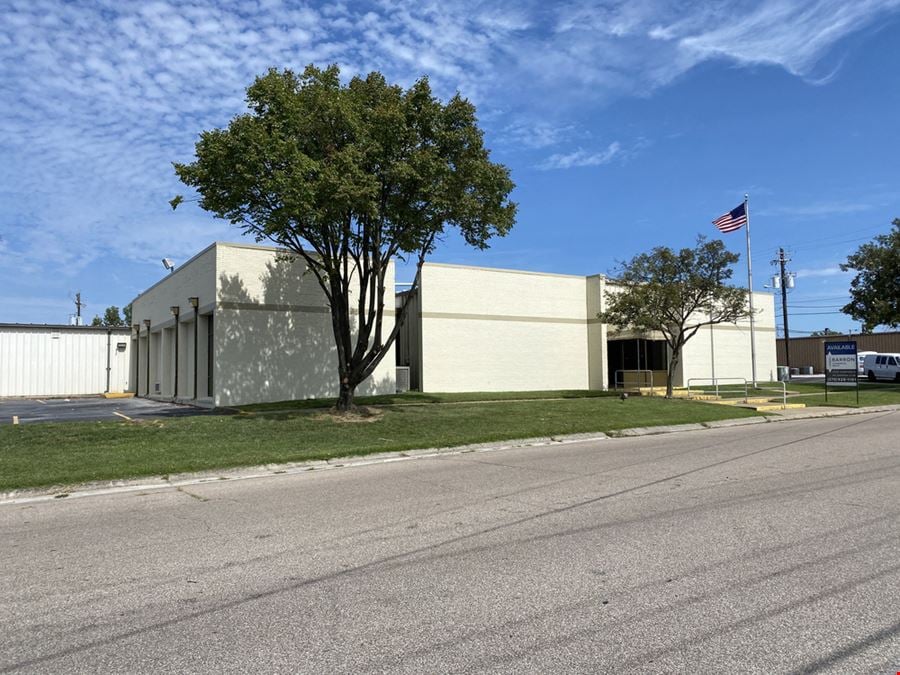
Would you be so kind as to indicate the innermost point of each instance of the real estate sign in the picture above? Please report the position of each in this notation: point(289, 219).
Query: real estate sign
point(841, 367)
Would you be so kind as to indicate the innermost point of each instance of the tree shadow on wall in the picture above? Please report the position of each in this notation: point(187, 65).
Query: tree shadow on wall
point(277, 344)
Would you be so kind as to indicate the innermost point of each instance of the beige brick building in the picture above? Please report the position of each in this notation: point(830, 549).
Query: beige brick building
point(479, 329)
point(261, 331)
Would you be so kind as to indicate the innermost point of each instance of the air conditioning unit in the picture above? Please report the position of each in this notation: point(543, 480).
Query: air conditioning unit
point(402, 379)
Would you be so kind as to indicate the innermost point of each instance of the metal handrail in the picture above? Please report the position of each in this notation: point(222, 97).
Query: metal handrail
point(715, 382)
point(622, 370)
point(783, 393)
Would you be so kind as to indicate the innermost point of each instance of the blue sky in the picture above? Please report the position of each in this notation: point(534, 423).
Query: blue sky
point(626, 125)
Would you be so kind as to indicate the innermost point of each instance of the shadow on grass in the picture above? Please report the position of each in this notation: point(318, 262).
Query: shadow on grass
point(422, 398)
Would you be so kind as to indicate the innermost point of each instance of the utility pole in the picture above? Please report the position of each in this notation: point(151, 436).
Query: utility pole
point(785, 280)
point(78, 305)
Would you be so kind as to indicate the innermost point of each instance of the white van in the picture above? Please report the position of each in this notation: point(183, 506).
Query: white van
point(860, 360)
point(882, 367)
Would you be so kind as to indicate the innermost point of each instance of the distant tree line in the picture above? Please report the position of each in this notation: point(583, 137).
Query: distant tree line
point(112, 318)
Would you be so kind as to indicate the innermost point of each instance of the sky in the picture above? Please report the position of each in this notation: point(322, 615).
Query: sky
point(626, 125)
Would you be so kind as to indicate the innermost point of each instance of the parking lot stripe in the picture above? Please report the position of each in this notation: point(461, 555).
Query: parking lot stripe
point(40, 401)
point(116, 412)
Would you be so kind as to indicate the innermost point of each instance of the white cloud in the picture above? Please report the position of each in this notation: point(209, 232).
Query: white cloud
point(793, 35)
point(822, 272)
point(818, 209)
point(99, 98)
point(582, 157)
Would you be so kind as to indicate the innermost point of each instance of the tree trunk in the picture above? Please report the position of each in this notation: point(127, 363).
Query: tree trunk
point(345, 397)
point(669, 376)
point(670, 372)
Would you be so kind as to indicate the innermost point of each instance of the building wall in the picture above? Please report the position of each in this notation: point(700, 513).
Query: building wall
point(194, 278)
point(493, 330)
point(723, 351)
point(273, 334)
point(597, 333)
point(496, 330)
point(40, 360)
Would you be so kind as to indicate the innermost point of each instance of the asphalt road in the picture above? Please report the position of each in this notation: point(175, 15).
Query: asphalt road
point(90, 409)
point(765, 548)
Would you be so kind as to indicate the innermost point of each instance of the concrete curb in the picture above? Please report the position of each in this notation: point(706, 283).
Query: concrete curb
point(269, 470)
point(663, 429)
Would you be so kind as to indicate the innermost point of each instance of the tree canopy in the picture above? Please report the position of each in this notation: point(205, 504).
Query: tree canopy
point(875, 290)
point(111, 317)
point(675, 293)
point(347, 177)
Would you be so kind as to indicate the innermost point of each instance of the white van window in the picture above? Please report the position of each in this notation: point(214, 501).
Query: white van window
point(891, 361)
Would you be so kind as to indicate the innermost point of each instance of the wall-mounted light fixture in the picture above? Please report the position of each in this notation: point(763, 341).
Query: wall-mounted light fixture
point(168, 264)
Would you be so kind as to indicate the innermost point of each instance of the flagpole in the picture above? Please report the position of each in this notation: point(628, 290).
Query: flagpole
point(750, 289)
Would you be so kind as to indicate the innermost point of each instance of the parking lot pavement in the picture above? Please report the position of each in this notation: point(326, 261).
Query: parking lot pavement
point(90, 409)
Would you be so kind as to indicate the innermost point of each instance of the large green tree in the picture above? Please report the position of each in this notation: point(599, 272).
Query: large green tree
point(675, 293)
point(348, 177)
point(875, 290)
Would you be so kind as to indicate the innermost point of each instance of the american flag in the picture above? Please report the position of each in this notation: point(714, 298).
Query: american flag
point(733, 220)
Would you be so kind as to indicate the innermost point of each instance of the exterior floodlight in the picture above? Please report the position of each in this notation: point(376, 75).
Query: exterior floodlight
point(195, 301)
point(169, 265)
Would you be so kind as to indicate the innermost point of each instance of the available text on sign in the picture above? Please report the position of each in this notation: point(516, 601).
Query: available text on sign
point(841, 367)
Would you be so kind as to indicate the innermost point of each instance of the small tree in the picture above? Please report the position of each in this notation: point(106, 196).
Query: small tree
point(110, 318)
point(347, 177)
point(875, 290)
point(676, 293)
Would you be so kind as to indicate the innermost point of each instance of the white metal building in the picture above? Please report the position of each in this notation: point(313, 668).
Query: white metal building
point(48, 360)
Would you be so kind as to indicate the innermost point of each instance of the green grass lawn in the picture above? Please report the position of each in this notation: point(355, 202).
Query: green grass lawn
point(813, 393)
point(870, 393)
point(58, 454)
point(420, 398)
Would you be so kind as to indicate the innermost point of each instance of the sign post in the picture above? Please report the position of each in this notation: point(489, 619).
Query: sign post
point(841, 366)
